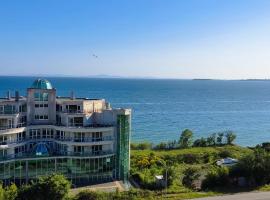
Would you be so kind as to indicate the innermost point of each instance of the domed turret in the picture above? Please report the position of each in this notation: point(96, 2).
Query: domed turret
point(42, 84)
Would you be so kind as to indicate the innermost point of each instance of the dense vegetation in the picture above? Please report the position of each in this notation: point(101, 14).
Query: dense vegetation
point(189, 166)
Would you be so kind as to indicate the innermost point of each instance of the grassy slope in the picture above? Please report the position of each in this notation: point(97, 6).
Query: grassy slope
point(236, 151)
point(178, 191)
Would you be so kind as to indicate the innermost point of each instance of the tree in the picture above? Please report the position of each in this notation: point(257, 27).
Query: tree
point(230, 136)
point(191, 174)
point(255, 167)
point(200, 142)
point(220, 138)
point(185, 138)
point(52, 187)
point(211, 140)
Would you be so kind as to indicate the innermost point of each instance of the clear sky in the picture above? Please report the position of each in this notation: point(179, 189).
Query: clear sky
point(228, 39)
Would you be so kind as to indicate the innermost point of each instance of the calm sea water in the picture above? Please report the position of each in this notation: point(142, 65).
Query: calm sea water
point(163, 108)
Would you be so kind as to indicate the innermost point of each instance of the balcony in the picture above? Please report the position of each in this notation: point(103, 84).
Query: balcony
point(80, 125)
point(5, 127)
point(85, 139)
point(65, 139)
point(27, 155)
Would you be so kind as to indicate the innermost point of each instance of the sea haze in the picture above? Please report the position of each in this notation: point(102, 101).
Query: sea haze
point(163, 108)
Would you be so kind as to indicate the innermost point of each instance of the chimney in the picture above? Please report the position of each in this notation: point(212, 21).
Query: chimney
point(72, 96)
point(8, 95)
point(17, 97)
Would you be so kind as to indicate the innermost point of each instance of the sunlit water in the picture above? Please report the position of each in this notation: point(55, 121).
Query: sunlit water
point(163, 108)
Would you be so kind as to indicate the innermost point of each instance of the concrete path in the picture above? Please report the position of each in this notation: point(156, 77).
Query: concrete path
point(104, 187)
point(241, 196)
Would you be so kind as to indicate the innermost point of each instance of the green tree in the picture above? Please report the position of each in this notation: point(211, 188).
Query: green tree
point(255, 167)
point(11, 192)
point(200, 142)
point(52, 187)
point(230, 136)
point(220, 138)
point(185, 138)
point(211, 140)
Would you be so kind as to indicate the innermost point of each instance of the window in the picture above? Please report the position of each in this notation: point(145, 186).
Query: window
point(41, 117)
point(41, 96)
point(78, 149)
point(41, 105)
point(96, 149)
point(96, 136)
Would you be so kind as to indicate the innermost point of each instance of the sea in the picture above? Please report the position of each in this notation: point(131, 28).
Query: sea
point(162, 108)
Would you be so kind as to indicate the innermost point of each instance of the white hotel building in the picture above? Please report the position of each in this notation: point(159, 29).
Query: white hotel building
point(84, 139)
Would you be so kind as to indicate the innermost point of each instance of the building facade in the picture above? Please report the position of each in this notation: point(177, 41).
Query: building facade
point(41, 133)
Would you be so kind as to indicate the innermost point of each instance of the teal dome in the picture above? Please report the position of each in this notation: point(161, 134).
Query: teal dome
point(41, 149)
point(42, 84)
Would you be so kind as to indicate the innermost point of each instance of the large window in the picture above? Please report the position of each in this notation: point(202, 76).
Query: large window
point(41, 96)
point(7, 109)
point(96, 149)
point(76, 121)
point(96, 136)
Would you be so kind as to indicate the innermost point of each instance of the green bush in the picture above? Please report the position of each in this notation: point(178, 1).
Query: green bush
point(52, 187)
point(217, 177)
point(191, 174)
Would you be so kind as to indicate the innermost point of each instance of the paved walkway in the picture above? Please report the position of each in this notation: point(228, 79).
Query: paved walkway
point(105, 187)
point(241, 196)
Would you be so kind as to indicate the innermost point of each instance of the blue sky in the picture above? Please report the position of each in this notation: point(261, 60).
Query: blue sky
point(226, 39)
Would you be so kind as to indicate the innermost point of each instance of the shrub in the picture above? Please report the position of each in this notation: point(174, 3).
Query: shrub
point(225, 153)
point(86, 195)
point(191, 158)
point(200, 142)
point(11, 192)
point(52, 187)
point(217, 177)
point(190, 175)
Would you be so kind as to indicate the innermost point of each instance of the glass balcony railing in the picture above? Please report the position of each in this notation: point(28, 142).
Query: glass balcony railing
point(23, 155)
point(86, 139)
point(64, 139)
point(81, 125)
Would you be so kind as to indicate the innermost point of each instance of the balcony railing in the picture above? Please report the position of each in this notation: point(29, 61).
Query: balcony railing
point(23, 155)
point(80, 125)
point(85, 139)
point(19, 125)
point(65, 139)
